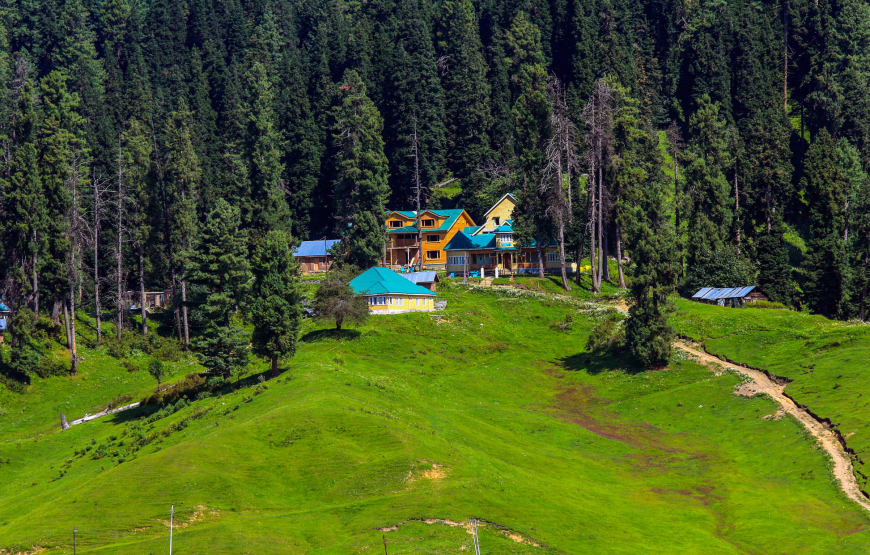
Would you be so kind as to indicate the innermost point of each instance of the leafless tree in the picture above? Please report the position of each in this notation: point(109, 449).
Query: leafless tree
point(98, 194)
point(563, 164)
point(598, 115)
point(78, 234)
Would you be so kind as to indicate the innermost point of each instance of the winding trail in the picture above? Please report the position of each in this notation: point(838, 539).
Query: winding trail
point(826, 438)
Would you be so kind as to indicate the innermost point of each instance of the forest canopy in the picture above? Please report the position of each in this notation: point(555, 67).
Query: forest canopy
point(710, 139)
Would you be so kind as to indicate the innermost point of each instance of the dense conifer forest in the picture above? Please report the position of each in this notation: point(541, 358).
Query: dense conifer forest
point(177, 145)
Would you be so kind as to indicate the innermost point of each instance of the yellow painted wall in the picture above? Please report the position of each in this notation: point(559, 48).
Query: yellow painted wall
point(503, 210)
point(403, 303)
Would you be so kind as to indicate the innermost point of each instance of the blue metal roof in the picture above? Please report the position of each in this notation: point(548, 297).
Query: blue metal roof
point(421, 277)
point(701, 293)
point(715, 294)
point(315, 248)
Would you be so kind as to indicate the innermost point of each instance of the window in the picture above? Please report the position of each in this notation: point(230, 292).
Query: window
point(391, 300)
point(395, 224)
point(456, 260)
point(377, 301)
point(496, 221)
point(433, 238)
point(418, 300)
point(433, 255)
point(428, 223)
point(552, 257)
point(401, 301)
point(506, 238)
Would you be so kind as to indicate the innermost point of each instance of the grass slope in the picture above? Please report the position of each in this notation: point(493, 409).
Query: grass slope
point(825, 360)
point(495, 413)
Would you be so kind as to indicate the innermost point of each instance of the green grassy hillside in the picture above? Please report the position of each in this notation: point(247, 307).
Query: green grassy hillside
point(826, 361)
point(410, 424)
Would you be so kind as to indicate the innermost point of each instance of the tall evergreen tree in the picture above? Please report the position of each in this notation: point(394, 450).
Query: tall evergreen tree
point(827, 264)
point(360, 189)
point(466, 99)
point(276, 302)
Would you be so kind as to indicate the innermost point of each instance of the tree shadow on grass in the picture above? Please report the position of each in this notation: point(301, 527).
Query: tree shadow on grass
point(331, 334)
point(606, 362)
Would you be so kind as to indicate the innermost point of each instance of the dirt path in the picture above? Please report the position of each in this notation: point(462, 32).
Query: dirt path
point(826, 438)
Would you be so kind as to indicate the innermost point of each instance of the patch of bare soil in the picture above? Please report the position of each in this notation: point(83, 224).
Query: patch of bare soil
point(200, 513)
point(843, 471)
point(512, 535)
point(778, 415)
point(748, 389)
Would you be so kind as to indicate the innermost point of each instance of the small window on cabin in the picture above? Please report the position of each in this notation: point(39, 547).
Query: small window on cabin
point(428, 223)
point(496, 220)
point(395, 223)
point(433, 238)
point(432, 255)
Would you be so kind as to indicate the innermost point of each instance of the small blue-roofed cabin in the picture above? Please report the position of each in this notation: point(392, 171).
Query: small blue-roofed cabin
point(730, 296)
point(314, 256)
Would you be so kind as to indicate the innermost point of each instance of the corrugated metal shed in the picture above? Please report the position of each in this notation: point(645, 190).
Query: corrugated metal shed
point(716, 294)
point(315, 248)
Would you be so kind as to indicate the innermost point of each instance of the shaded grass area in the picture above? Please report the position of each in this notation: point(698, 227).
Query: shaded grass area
point(552, 283)
point(494, 412)
point(826, 361)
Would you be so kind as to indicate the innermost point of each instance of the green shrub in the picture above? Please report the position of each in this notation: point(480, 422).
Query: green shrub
point(766, 304)
point(49, 367)
point(607, 335)
point(130, 366)
point(46, 329)
point(189, 387)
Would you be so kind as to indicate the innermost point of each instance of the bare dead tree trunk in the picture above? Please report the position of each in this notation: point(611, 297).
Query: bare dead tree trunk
point(737, 209)
point(167, 237)
point(98, 207)
point(142, 311)
point(184, 246)
point(120, 246)
point(619, 255)
point(35, 279)
point(565, 282)
point(66, 326)
point(864, 289)
point(600, 226)
point(74, 358)
point(785, 57)
point(55, 311)
point(540, 244)
point(418, 190)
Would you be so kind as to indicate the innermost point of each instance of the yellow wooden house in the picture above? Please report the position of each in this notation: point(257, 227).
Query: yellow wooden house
point(491, 247)
point(389, 293)
point(404, 249)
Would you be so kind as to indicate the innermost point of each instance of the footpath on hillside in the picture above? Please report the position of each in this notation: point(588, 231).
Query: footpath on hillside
point(826, 438)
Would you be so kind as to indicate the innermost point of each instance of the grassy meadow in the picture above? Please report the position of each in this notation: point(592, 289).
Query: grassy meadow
point(408, 426)
point(825, 361)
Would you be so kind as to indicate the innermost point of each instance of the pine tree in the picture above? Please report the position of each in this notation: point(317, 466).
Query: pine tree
point(532, 131)
point(268, 206)
point(651, 239)
point(828, 274)
point(466, 99)
point(220, 265)
point(276, 302)
point(360, 188)
point(415, 101)
point(706, 203)
point(137, 150)
point(181, 179)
